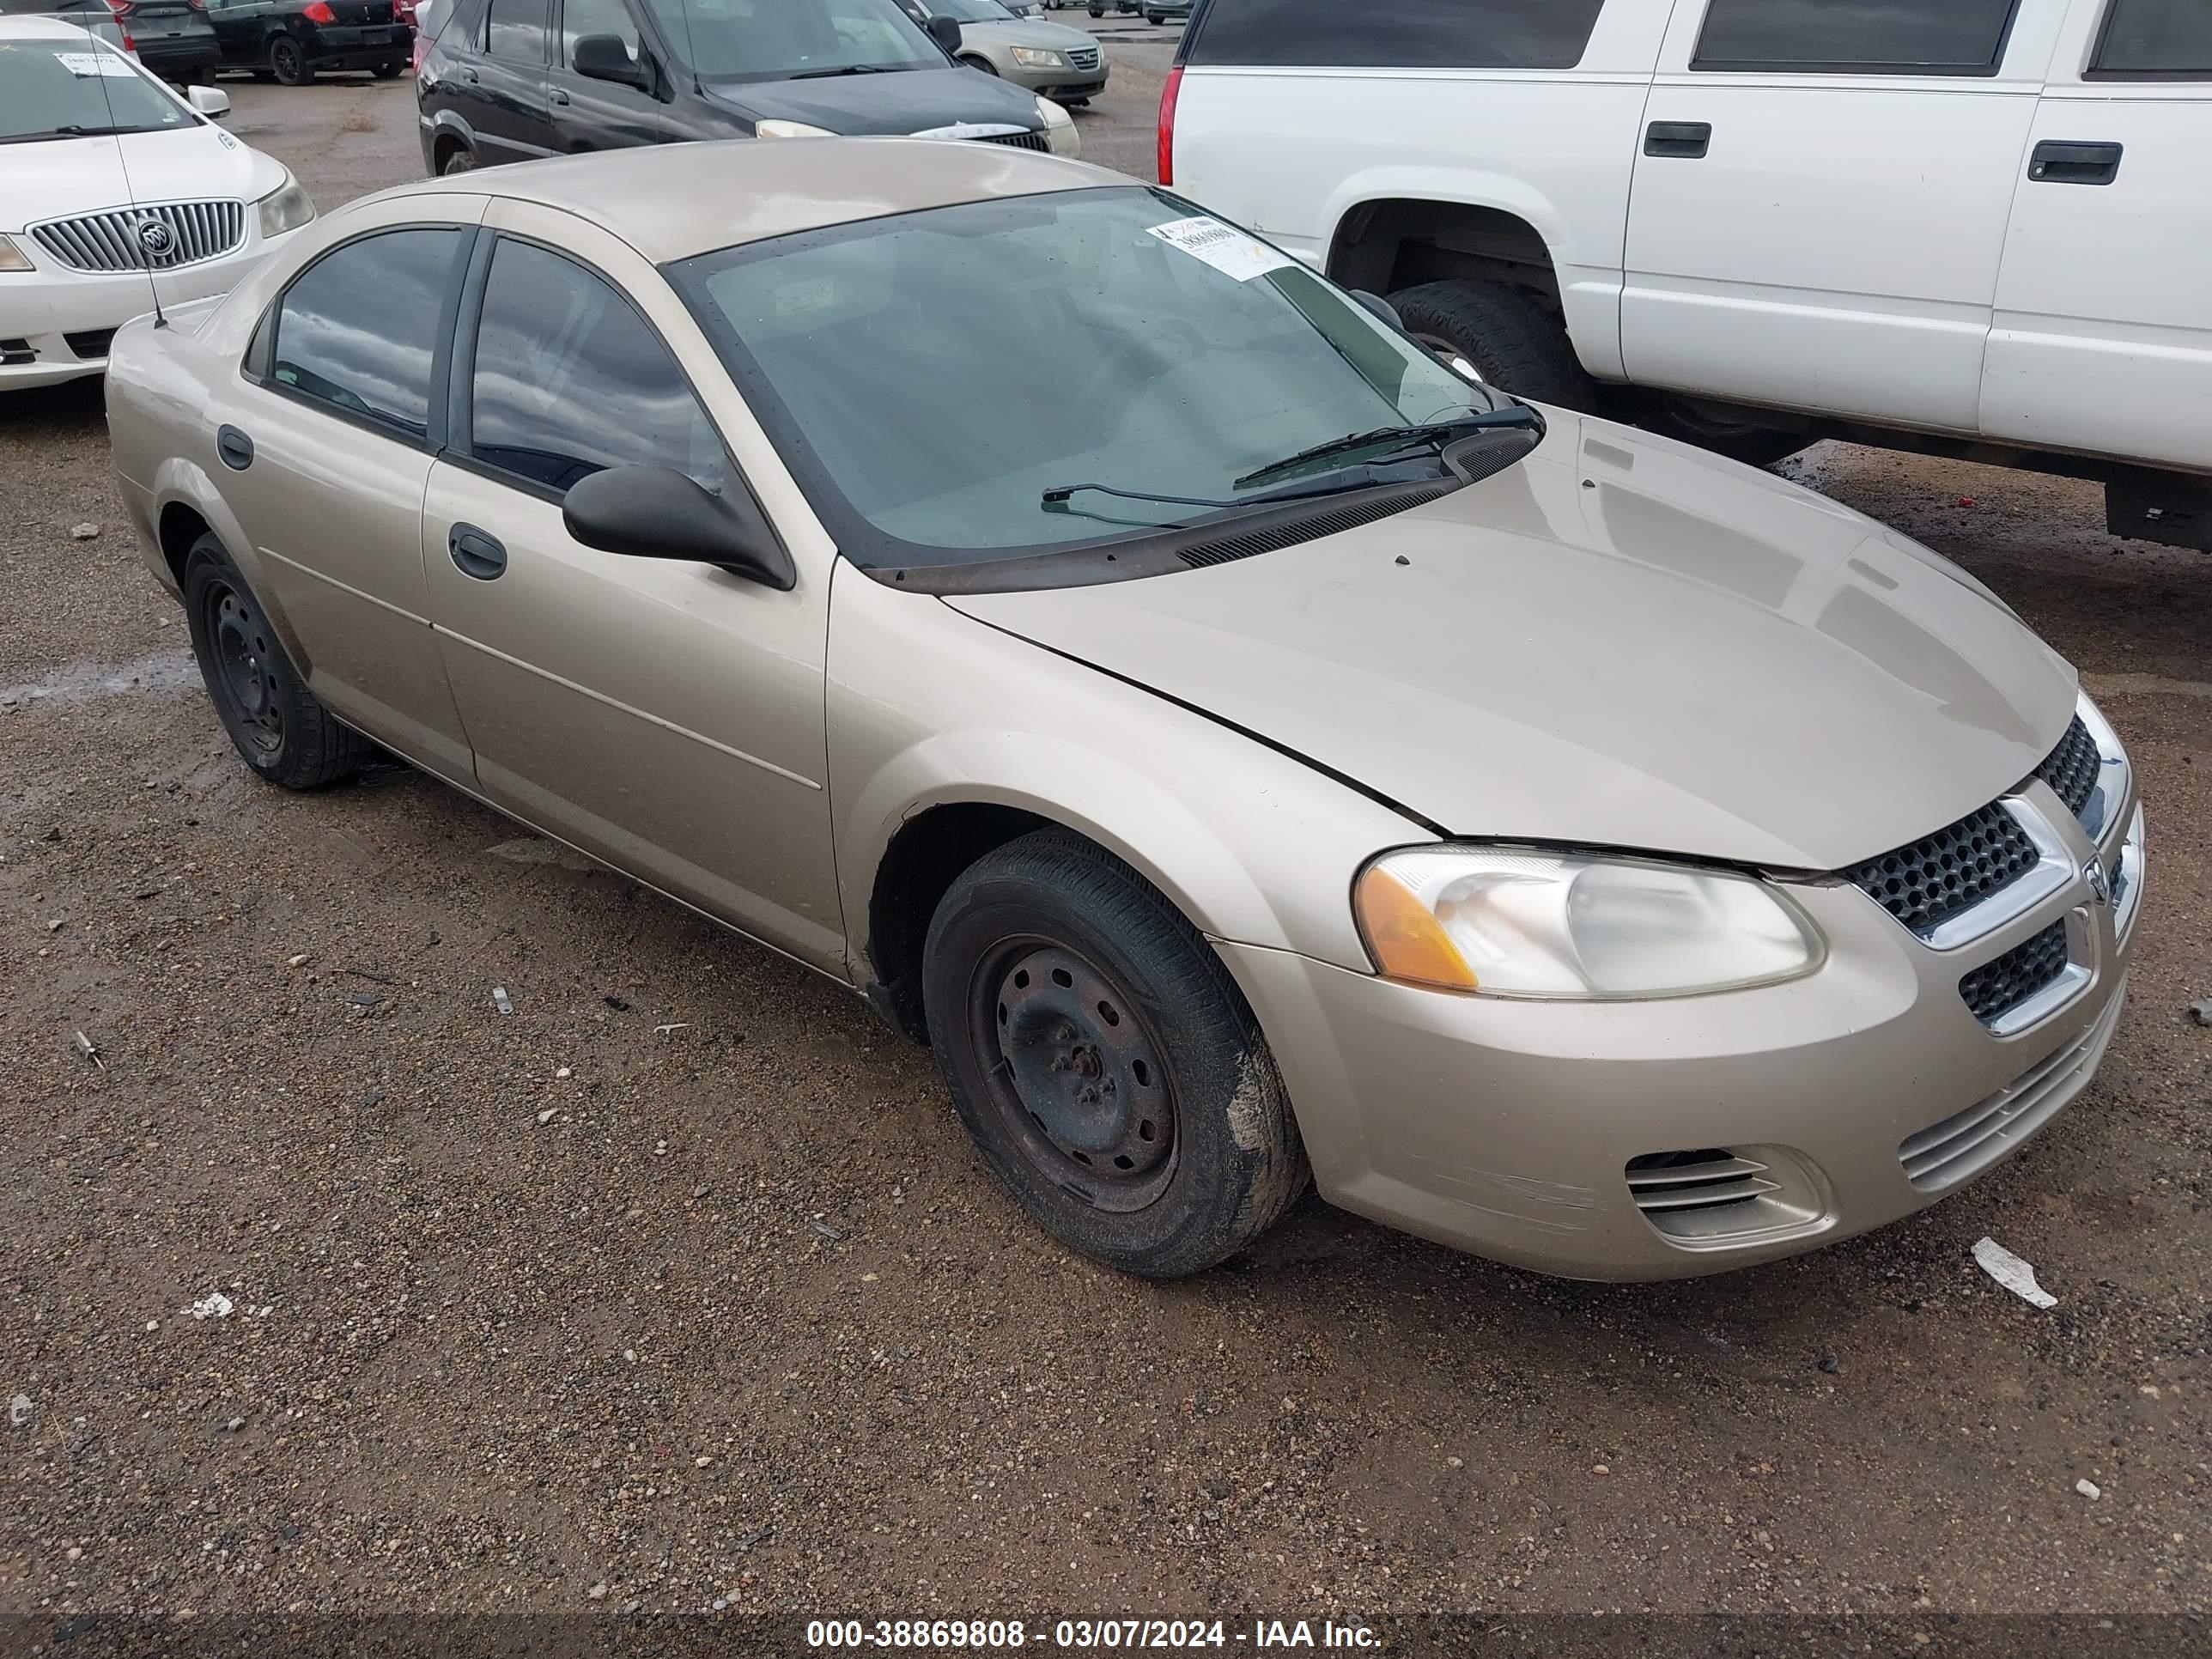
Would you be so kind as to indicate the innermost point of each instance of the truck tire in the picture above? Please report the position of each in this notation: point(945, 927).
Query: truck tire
point(1740, 441)
point(1513, 342)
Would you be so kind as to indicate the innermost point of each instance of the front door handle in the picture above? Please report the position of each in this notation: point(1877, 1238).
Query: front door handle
point(1688, 139)
point(468, 75)
point(235, 448)
point(559, 99)
point(2061, 161)
point(475, 553)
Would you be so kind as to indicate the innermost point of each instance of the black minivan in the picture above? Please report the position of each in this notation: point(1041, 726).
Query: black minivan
point(509, 80)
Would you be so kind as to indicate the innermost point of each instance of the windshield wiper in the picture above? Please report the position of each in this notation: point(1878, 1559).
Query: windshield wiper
point(1056, 498)
point(72, 131)
point(849, 69)
point(1436, 434)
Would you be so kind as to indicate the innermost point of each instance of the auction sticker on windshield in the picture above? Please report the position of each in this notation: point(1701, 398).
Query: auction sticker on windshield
point(1223, 246)
point(92, 65)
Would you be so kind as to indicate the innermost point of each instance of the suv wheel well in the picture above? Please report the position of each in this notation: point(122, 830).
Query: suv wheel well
point(924, 858)
point(1386, 246)
point(179, 528)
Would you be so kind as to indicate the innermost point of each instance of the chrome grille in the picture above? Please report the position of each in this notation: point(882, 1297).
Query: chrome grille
point(1019, 140)
point(1083, 57)
point(159, 237)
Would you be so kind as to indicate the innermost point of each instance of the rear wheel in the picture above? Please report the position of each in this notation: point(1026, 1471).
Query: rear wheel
point(287, 61)
point(1511, 340)
point(458, 159)
point(388, 71)
point(1104, 1061)
point(1740, 441)
point(279, 727)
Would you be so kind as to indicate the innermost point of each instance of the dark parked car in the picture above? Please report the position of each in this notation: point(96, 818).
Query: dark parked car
point(291, 40)
point(509, 80)
point(170, 36)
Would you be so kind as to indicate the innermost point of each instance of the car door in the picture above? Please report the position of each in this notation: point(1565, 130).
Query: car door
point(325, 446)
point(238, 27)
point(501, 91)
point(2102, 339)
point(589, 114)
point(665, 715)
point(1819, 201)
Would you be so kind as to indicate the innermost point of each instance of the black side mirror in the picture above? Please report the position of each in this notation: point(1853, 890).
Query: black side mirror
point(657, 513)
point(946, 31)
point(1380, 307)
point(604, 58)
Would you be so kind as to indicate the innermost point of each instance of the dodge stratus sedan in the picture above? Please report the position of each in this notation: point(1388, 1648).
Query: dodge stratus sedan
point(1265, 753)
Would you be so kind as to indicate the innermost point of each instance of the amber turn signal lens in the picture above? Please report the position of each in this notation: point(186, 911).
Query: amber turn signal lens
point(1406, 941)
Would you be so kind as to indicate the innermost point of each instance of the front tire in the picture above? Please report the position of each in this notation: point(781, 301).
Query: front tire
point(459, 158)
point(287, 61)
point(1104, 1061)
point(1740, 441)
point(279, 727)
point(1512, 341)
point(982, 64)
point(388, 71)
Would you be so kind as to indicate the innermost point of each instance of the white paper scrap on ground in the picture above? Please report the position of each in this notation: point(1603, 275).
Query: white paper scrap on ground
point(1224, 247)
point(2010, 1271)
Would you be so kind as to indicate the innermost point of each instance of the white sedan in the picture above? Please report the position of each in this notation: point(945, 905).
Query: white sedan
point(115, 191)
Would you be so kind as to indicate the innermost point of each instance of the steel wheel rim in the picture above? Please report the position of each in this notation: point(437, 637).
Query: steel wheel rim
point(245, 678)
point(1074, 1074)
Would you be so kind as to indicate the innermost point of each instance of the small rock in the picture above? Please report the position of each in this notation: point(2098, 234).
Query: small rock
point(546, 1117)
point(52, 835)
point(153, 1324)
point(234, 1425)
point(299, 961)
point(598, 1592)
point(868, 1278)
point(214, 1305)
point(2200, 1011)
point(564, 1072)
point(76, 1551)
point(617, 1004)
point(823, 1229)
point(698, 1192)
point(20, 1409)
point(630, 1354)
point(375, 1097)
point(702, 1461)
point(55, 925)
point(83, 532)
point(1455, 1463)
point(661, 1149)
point(1830, 1364)
point(1600, 1468)
point(2149, 1391)
point(2089, 1489)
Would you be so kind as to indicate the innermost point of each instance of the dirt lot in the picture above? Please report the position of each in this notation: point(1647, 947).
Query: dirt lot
point(681, 1287)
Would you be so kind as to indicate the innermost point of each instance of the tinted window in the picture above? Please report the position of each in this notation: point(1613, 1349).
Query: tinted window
point(518, 30)
point(1891, 37)
point(770, 40)
point(580, 19)
point(357, 329)
point(1396, 33)
point(2156, 39)
point(570, 380)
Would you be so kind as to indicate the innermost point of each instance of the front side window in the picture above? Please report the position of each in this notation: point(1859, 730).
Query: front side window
point(581, 19)
point(517, 31)
point(357, 329)
point(568, 380)
point(1394, 33)
point(940, 377)
point(2156, 40)
point(971, 11)
point(55, 89)
point(1879, 37)
point(782, 39)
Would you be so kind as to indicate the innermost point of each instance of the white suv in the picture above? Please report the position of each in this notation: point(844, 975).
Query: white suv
point(1978, 227)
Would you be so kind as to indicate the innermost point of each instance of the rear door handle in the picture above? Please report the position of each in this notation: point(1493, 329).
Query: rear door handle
point(475, 553)
point(235, 448)
point(559, 99)
point(1688, 139)
point(468, 75)
point(2062, 161)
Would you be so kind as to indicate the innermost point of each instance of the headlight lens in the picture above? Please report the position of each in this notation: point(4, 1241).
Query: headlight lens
point(790, 130)
point(1059, 129)
point(1575, 927)
point(13, 258)
point(285, 208)
point(1038, 57)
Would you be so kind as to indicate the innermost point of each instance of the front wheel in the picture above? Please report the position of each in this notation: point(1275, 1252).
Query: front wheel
point(1104, 1061)
point(982, 64)
point(1512, 341)
point(388, 71)
point(1740, 441)
point(287, 61)
point(279, 727)
point(457, 159)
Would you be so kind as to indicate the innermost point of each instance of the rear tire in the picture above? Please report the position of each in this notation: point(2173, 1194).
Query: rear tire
point(1512, 341)
point(459, 158)
point(287, 61)
point(1740, 441)
point(278, 726)
point(388, 71)
point(1104, 1062)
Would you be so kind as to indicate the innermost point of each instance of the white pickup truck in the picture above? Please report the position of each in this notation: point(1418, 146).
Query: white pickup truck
point(1976, 228)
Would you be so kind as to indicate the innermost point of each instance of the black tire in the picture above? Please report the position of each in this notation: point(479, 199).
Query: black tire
point(1740, 441)
point(1104, 1061)
point(459, 158)
point(281, 731)
point(1512, 341)
point(389, 71)
point(1157, 19)
point(982, 64)
point(287, 61)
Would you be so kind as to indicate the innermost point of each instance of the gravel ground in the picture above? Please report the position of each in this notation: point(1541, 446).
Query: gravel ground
point(680, 1288)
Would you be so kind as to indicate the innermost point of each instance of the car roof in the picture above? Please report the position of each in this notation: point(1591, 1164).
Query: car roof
point(671, 201)
point(16, 27)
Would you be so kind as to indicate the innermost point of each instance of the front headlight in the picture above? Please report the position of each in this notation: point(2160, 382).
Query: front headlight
point(285, 208)
point(1060, 129)
point(790, 130)
point(1574, 927)
point(1038, 58)
point(13, 258)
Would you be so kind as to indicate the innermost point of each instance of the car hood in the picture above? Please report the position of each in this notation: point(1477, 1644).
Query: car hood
point(1621, 641)
point(906, 101)
point(69, 176)
point(1029, 32)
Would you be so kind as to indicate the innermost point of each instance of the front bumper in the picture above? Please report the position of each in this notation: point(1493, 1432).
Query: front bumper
point(1059, 84)
point(1850, 1098)
point(65, 316)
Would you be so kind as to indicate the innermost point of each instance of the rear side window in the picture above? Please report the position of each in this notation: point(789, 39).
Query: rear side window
point(358, 329)
point(2155, 41)
point(517, 31)
point(570, 380)
point(1394, 33)
point(1856, 37)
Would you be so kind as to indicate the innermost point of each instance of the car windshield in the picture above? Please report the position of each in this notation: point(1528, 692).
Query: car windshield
point(779, 40)
point(936, 378)
point(75, 89)
point(971, 11)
